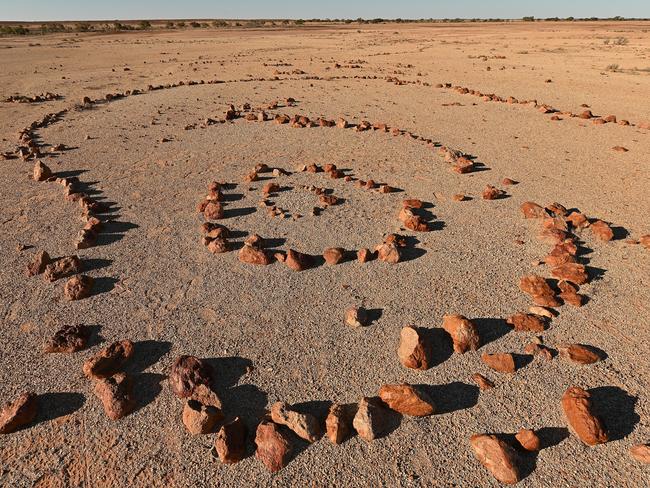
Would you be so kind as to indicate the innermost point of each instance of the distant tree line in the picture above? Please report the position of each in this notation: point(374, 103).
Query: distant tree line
point(117, 26)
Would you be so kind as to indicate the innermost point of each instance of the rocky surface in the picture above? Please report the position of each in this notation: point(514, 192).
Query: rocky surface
point(116, 394)
point(578, 410)
point(109, 360)
point(230, 442)
point(18, 413)
point(407, 400)
point(69, 338)
point(499, 458)
point(273, 446)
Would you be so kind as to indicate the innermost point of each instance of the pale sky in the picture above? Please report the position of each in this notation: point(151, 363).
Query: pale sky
point(36, 10)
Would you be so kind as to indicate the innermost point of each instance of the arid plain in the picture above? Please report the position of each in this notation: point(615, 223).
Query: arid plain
point(452, 109)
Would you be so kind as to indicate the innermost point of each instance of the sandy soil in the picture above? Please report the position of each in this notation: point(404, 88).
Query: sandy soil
point(274, 334)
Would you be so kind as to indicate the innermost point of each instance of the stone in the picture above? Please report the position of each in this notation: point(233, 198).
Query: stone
point(501, 362)
point(370, 421)
point(298, 261)
point(341, 123)
point(93, 224)
point(218, 245)
point(645, 241)
point(463, 332)
point(214, 231)
point(68, 339)
point(555, 223)
point(508, 182)
point(567, 286)
point(78, 287)
point(412, 203)
point(213, 211)
point(273, 446)
point(538, 350)
point(41, 172)
point(255, 241)
point(407, 400)
point(532, 210)
point(577, 220)
point(602, 230)
point(270, 188)
point(554, 260)
point(538, 288)
point(116, 395)
point(500, 459)
point(620, 149)
point(573, 272)
point(109, 360)
point(459, 197)
point(313, 168)
point(85, 239)
point(586, 114)
point(641, 452)
point(528, 440)
point(405, 214)
point(463, 165)
point(338, 423)
point(556, 209)
point(187, 374)
point(414, 352)
point(388, 253)
point(252, 254)
point(482, 382)
point(356, 317)
point(577, 407)
point(39, 262)
point(542, 312)
point(62, 268)
point(566, 247)
point(334, 255)
point(304, 425)
point(328, 199)
point(214, 196)
point(230, 442)
point(553, 236)
point(364, 255)
point(18, 413)
point(199, 418)
point(231, 114)
point(416, 224)
point(492, 193)
point(526, 322)
point(205, 395)
point(579, 353)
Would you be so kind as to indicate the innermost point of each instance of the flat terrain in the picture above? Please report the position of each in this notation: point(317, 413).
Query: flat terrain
point(273, 334)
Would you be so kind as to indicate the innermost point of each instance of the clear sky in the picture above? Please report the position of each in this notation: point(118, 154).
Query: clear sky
point(256, 9)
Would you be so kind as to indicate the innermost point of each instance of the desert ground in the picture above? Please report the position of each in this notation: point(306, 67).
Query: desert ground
point(441, 124)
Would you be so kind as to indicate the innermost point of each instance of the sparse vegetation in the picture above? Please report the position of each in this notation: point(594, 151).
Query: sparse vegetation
point(14, 31)
point(47, 28)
